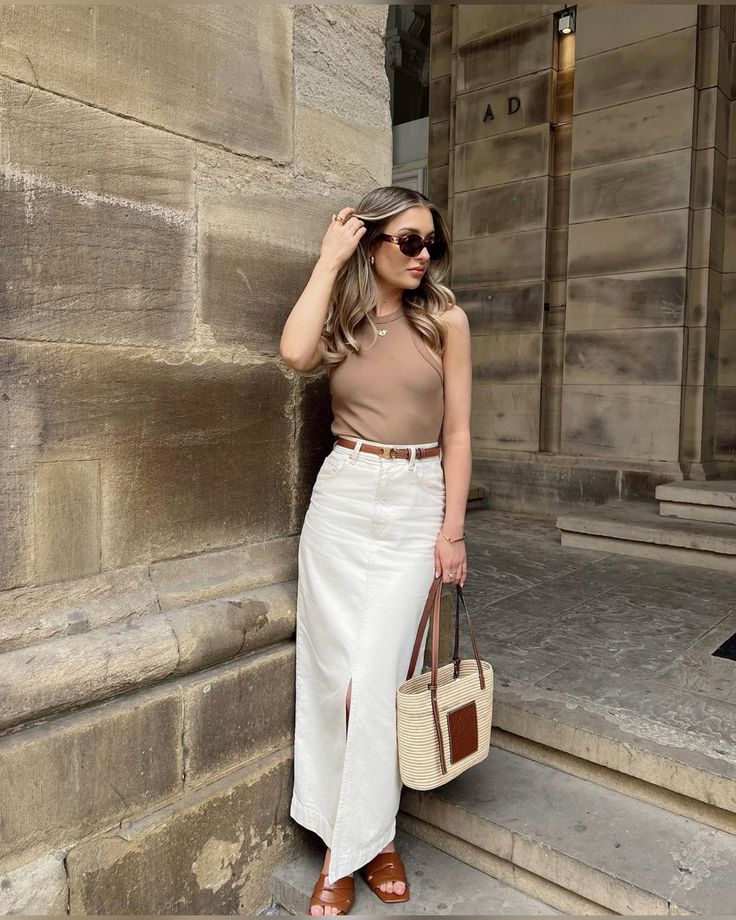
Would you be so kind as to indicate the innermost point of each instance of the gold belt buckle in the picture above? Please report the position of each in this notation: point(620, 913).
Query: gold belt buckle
point(386, 451)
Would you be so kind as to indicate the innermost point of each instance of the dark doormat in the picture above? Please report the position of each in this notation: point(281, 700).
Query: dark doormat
point(727, 649)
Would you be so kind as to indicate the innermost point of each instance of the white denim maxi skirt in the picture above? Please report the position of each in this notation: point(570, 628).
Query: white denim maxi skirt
point(365, 567)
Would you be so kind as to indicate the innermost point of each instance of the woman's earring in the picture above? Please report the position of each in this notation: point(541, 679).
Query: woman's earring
point(373, 260)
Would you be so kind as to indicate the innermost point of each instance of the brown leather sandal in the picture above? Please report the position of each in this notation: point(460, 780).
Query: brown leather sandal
point(386, 867)
point(340, 894)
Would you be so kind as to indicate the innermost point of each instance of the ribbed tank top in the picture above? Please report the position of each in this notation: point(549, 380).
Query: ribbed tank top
point(392, 392)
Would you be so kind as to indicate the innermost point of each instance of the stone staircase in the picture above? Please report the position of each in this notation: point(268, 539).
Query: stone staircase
point(517, 836)
point(635, 759)
point(713, 501)
point(695, 524)
point(574, 845)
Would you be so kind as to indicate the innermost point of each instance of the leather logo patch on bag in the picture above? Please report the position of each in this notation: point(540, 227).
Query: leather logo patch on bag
point(462, 724)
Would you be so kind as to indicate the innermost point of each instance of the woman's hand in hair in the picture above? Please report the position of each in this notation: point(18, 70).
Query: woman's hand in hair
point(341, 240)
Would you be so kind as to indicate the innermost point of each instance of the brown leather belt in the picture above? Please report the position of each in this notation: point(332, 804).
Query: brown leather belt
point(391, 452)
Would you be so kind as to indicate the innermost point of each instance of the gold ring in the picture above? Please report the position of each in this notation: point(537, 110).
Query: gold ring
point(341, 219)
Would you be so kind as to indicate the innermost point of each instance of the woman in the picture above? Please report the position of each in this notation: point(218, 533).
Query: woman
point(383, 517)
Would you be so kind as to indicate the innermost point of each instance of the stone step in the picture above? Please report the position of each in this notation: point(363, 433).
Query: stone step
point(637, 529)
point(274, 909)
point(645, 761)
point(713, 501)
point(575, 841)
point(439, 884)
point(476, 495)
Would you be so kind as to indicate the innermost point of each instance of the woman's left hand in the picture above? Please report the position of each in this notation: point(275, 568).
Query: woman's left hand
point(451, 560)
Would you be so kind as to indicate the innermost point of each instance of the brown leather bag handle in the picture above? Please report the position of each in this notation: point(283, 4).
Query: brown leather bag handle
point(432, 687)
point(456, 657)
point(437, 587)
point(434, 602)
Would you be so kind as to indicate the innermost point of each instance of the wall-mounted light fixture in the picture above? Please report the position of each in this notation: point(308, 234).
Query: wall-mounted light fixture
point(566, 21)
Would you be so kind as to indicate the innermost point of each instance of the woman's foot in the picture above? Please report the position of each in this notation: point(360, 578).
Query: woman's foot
point(318, 910)
point(396, 887)
point(385, 875)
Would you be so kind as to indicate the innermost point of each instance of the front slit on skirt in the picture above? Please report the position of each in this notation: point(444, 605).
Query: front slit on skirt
point(365, 567)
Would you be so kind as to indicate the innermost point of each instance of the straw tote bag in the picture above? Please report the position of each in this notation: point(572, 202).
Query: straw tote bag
point(443, 726)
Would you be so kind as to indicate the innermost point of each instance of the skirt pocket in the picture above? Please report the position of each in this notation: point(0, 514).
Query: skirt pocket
point(334, 464)
point(429, 477)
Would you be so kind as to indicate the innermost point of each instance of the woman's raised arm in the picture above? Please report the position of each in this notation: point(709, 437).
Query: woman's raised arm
point(303, 328)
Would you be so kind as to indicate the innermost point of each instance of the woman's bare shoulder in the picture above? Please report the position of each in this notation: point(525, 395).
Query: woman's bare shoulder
point(454, 316)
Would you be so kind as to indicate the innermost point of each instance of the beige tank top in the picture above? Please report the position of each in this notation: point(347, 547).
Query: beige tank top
point(392, 392)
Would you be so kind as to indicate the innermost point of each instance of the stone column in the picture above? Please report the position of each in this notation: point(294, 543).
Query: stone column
point(629, 228)
point(441, 107)
point(555, 300)
point(501, 202)
point(724, 142)
point(710, 257)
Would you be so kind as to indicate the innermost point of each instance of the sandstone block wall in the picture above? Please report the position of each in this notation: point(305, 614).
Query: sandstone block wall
point(587, 178)
point(166, 175)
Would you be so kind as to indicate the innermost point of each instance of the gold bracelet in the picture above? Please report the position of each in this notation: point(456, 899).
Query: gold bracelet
point(450, 539)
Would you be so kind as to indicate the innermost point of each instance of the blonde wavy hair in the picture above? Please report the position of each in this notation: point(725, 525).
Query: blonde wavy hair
point(355, 291)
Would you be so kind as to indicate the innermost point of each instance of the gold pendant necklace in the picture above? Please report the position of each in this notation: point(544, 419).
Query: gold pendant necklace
point(384, 331)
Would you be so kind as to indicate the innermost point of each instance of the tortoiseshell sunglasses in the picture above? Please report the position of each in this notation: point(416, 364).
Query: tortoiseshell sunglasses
point(411, 244)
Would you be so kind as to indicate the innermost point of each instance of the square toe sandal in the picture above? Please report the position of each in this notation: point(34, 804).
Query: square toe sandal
point(386, 867)
point(339, 894)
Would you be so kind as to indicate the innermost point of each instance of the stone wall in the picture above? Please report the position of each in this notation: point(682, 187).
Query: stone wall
point(646, 240)
point(723, 88)
point(587, 181)
point(166, 175)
